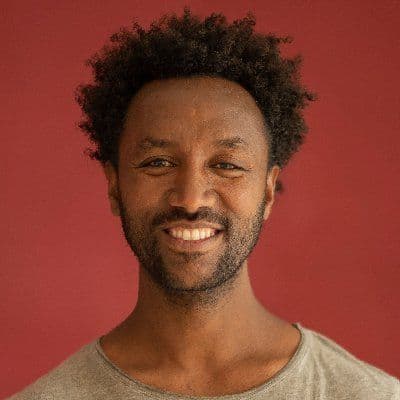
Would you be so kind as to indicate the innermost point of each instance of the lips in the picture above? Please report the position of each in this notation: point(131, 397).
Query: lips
point(192, 225)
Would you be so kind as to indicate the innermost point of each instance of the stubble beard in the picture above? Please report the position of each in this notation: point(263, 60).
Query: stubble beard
point(239, 243)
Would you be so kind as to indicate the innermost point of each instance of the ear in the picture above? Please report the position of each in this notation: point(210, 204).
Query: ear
point(270, 190)
point(113, 193)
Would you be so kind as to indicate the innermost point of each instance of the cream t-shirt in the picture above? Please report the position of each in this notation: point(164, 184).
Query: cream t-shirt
point(319, 369)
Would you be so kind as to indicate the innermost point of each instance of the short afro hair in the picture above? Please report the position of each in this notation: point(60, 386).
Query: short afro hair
point(187, 46)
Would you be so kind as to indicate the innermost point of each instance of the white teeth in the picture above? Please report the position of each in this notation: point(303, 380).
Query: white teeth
point(179, 234)
point(187, 235)
point(192, 234)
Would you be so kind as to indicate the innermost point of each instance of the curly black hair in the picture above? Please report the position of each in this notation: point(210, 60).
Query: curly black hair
point(187, 46)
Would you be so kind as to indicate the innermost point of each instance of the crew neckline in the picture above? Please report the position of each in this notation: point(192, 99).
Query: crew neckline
point(159, 393)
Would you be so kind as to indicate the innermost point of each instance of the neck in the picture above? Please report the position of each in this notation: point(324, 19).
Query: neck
point(199, 334)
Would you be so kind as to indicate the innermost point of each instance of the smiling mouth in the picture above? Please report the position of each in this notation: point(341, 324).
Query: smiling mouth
point(189, 244)
point(192, 235)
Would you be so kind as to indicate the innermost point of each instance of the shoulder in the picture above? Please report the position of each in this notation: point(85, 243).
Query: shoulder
point(63, 381)
point(347, 376)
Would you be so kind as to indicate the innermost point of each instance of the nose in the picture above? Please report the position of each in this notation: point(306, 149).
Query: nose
point(192, 189)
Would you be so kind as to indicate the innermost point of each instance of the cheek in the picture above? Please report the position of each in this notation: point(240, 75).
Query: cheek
point(138, 197)
point(137, 188)
point(141, 206)
point(243, 197)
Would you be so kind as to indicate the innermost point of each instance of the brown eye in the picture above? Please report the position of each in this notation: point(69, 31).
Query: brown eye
point(232, 166)
point(156, 161)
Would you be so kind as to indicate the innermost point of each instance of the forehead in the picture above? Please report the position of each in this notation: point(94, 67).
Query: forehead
point(201, 109)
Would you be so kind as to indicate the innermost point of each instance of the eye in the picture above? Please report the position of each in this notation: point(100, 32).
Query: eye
point(156, 161)
point(231, 165)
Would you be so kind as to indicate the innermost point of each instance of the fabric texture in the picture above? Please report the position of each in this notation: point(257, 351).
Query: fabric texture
point(319, 369)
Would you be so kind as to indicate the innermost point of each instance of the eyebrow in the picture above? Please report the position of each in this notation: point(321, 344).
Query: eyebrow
point(232, 142)
point(150, 142)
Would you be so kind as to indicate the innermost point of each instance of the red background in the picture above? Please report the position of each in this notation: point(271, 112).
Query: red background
point(329, 255)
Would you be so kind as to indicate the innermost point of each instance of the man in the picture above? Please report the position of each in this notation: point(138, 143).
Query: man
point(193, 121)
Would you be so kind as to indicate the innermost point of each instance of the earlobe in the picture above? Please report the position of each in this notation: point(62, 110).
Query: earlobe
point(267, 210)
point(114, 204)
point(112, 181)
point(270, 190)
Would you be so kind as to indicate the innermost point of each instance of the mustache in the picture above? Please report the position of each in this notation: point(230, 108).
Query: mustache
point(179, 214)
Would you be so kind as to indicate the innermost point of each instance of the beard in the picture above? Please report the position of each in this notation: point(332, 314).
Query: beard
point(240, 239)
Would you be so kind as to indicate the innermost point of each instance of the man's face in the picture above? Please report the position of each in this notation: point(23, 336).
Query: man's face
point(204, 162)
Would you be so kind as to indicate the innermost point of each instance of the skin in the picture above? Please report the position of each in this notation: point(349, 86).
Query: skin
point(197, 328)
